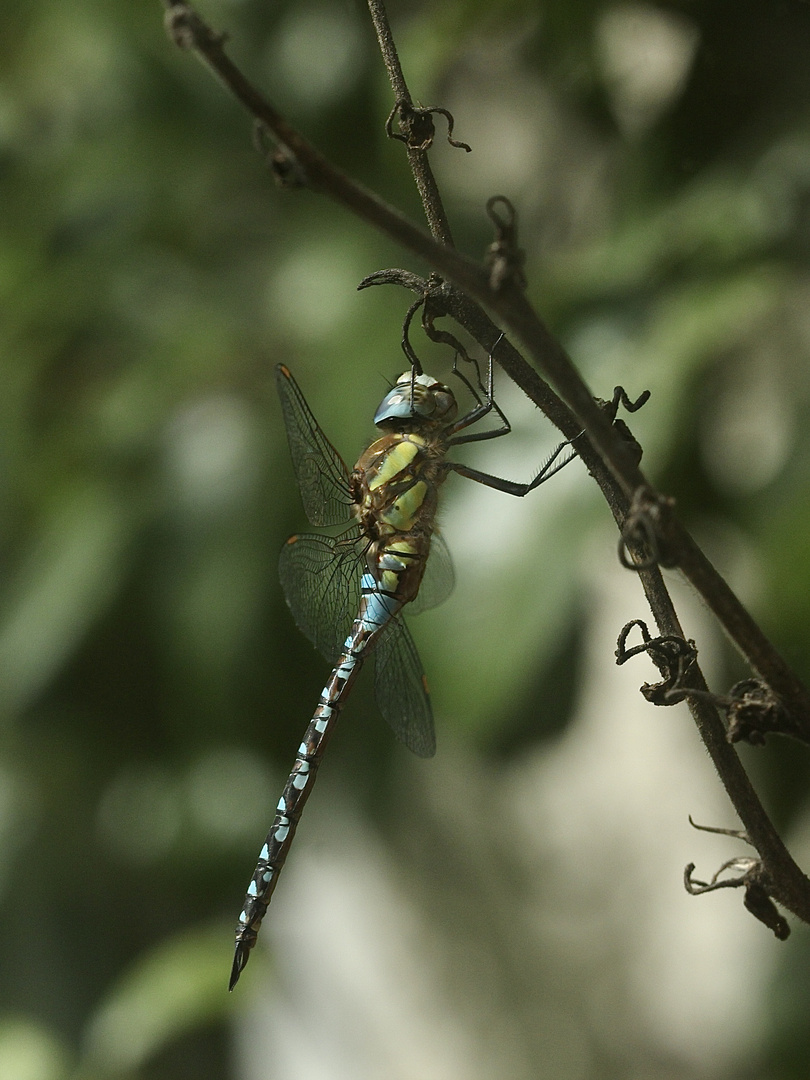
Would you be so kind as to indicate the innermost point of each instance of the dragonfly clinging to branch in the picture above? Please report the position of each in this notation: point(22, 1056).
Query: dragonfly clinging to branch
point(346, 593)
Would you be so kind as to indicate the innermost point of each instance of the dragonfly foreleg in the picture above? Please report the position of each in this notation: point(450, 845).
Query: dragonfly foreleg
point(482, 409)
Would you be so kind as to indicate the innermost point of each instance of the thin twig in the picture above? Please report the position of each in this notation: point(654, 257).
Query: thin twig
point(417, 157)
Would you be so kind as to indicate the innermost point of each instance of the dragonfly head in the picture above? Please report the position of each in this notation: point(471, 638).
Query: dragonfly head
point(415, 400)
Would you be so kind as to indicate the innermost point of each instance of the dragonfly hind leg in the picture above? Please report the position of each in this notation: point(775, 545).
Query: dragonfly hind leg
point(513, 487)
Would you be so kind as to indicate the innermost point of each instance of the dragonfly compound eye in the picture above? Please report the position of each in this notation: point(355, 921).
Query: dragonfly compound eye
point(419, 397)
point(445, 403)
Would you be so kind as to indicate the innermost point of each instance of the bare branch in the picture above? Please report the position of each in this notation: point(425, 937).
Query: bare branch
point(611, 458)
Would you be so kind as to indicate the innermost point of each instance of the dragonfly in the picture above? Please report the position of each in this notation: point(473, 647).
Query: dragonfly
point(347, 592)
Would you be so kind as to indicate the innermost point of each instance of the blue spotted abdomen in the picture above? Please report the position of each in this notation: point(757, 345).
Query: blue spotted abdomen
point(376, 610)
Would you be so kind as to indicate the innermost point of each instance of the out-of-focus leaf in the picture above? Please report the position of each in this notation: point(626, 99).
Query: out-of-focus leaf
point(713, 223)
point(65, 581)
point(179, 986)
point(29, 1051)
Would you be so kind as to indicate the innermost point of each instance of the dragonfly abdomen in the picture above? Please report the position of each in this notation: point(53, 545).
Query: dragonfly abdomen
point(377, 608)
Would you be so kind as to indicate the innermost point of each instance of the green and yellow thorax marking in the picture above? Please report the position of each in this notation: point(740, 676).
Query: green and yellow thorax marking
point(397, 460)
point(402, 512)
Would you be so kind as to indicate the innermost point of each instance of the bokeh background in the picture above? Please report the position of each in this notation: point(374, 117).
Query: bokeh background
point(513, 908)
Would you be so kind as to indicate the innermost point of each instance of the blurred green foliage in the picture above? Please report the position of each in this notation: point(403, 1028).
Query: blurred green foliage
point(152, 687)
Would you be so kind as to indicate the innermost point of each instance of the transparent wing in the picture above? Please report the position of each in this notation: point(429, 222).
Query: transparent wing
point(401, 690)
point(320, 576)
point(323, 479)
point(439, 579)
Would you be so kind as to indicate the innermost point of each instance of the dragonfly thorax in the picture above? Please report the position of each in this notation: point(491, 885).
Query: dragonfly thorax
point(416, 400)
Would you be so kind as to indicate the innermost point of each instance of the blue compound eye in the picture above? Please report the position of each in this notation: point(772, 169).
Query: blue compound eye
point(421, 397)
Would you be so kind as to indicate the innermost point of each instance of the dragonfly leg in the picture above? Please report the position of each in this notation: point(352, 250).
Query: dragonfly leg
point(512, 487)
point(481, 409)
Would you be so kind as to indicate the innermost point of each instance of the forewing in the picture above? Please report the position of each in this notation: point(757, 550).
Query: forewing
point(320, 577)
point(322, 476)
point(439, 578)
point(401, 690)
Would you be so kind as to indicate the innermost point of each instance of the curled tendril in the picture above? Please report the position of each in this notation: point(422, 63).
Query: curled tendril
point(417, 128)
point(753, 711)
point(611, 408)
point(620, 398)
point(672, 655)
point(752, 877)
point(642, 528)
point(504, 258)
